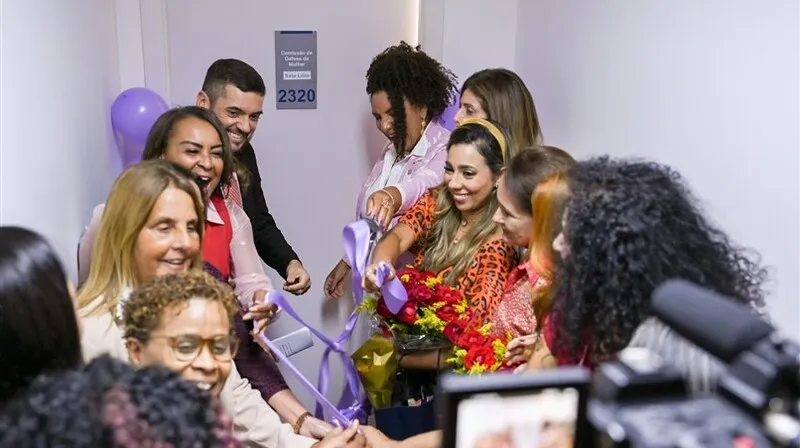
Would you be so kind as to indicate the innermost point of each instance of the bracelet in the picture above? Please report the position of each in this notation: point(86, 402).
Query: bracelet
point(391, 198)
point(300, 420)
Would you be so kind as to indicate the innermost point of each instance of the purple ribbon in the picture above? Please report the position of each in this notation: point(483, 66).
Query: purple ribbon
point(356, 248)
point(357, 238)
point(350, 405)
point(340, 417)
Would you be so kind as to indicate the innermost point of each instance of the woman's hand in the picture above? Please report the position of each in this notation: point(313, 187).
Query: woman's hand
point(340, 438)
point(377, 439)
point(262, 311)
point(520, 349)
point(381, 207)
point(334, 284)
point(370, 280)
point(315, 428)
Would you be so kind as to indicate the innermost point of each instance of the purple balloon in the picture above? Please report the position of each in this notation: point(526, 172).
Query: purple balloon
point(134, 113)
point(130, 152)
point(448, 118)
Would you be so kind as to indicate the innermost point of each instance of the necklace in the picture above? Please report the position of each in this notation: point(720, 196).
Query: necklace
point(462, 229)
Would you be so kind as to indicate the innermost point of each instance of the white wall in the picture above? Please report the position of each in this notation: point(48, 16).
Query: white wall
point(313, 162)
point(709, 87)
point(469, 35)
point(58, 77)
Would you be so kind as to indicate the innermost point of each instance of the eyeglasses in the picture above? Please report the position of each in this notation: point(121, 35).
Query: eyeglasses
point(187, 347)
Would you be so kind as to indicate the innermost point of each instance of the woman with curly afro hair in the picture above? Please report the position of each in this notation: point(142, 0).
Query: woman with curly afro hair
point(628, 227)
point(408, 92)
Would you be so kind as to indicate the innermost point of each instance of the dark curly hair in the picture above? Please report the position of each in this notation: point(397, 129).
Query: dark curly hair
point(143, 310)
point(406, 72)
point(110, 404)
point(631, 225)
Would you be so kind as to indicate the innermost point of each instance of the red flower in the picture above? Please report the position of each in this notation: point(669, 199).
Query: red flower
point(447, 313)
point(383, 310)
point(420, 293)
point(425, 275)
point(472, 339)
point(479, 355)
point(447, 294)
point(413, 275)
point(408, 313)
point(455, 329)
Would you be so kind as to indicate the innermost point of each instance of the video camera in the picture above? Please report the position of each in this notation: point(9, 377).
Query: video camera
point(640, 400)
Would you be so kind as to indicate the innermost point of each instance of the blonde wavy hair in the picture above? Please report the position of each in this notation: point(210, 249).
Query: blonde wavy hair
point(438, 253)
point(132, 198)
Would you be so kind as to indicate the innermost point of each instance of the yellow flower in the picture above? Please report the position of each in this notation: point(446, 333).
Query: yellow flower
point(429, 321)
point(477, 369)
point(486, 329)
point(461, 307)
point(432, 282)
point(405, 278)
point(499, 349)
point(369, 304)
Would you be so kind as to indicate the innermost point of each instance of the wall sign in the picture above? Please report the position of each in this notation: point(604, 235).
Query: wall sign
point(296, 69)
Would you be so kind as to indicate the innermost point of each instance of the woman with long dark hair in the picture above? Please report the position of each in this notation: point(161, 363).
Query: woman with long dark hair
point(38, 327)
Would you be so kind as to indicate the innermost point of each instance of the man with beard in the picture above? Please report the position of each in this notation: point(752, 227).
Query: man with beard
point(234, 91)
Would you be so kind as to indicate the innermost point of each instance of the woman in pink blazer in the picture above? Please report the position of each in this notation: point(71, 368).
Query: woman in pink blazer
point(408, 92)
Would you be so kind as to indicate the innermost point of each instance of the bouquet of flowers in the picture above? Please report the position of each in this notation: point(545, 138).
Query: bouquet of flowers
point(432, 316)
point(476, 352)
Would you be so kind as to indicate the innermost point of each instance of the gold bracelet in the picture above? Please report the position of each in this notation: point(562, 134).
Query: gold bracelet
point(300, 420)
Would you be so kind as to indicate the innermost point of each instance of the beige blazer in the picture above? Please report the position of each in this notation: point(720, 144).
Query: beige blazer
point(254, 422)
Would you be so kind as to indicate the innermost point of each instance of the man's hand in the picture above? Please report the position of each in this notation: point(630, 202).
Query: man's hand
point(297, 279)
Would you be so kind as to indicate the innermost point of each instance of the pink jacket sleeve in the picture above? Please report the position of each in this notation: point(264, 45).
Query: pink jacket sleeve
point(247, 273)
point(413, 187)
point(87, 243)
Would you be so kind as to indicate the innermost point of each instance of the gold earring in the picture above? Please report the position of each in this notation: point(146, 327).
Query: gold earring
point(422, 132)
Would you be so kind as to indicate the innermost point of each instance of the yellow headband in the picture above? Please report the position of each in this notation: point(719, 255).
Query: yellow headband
point(496, 133)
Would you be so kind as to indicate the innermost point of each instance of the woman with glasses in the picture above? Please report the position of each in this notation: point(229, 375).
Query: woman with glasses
point(185, 323)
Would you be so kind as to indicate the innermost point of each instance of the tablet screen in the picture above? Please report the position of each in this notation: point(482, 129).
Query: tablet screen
point(545, 418)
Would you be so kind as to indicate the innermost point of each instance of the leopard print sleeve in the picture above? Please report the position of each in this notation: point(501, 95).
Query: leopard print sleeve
point(485, 279)
point(420, 216)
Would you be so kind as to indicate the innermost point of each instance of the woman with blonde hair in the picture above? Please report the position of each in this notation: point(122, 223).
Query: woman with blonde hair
point(500, 95)
point(152, 225)
point(450, 229)
point(531, 196)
